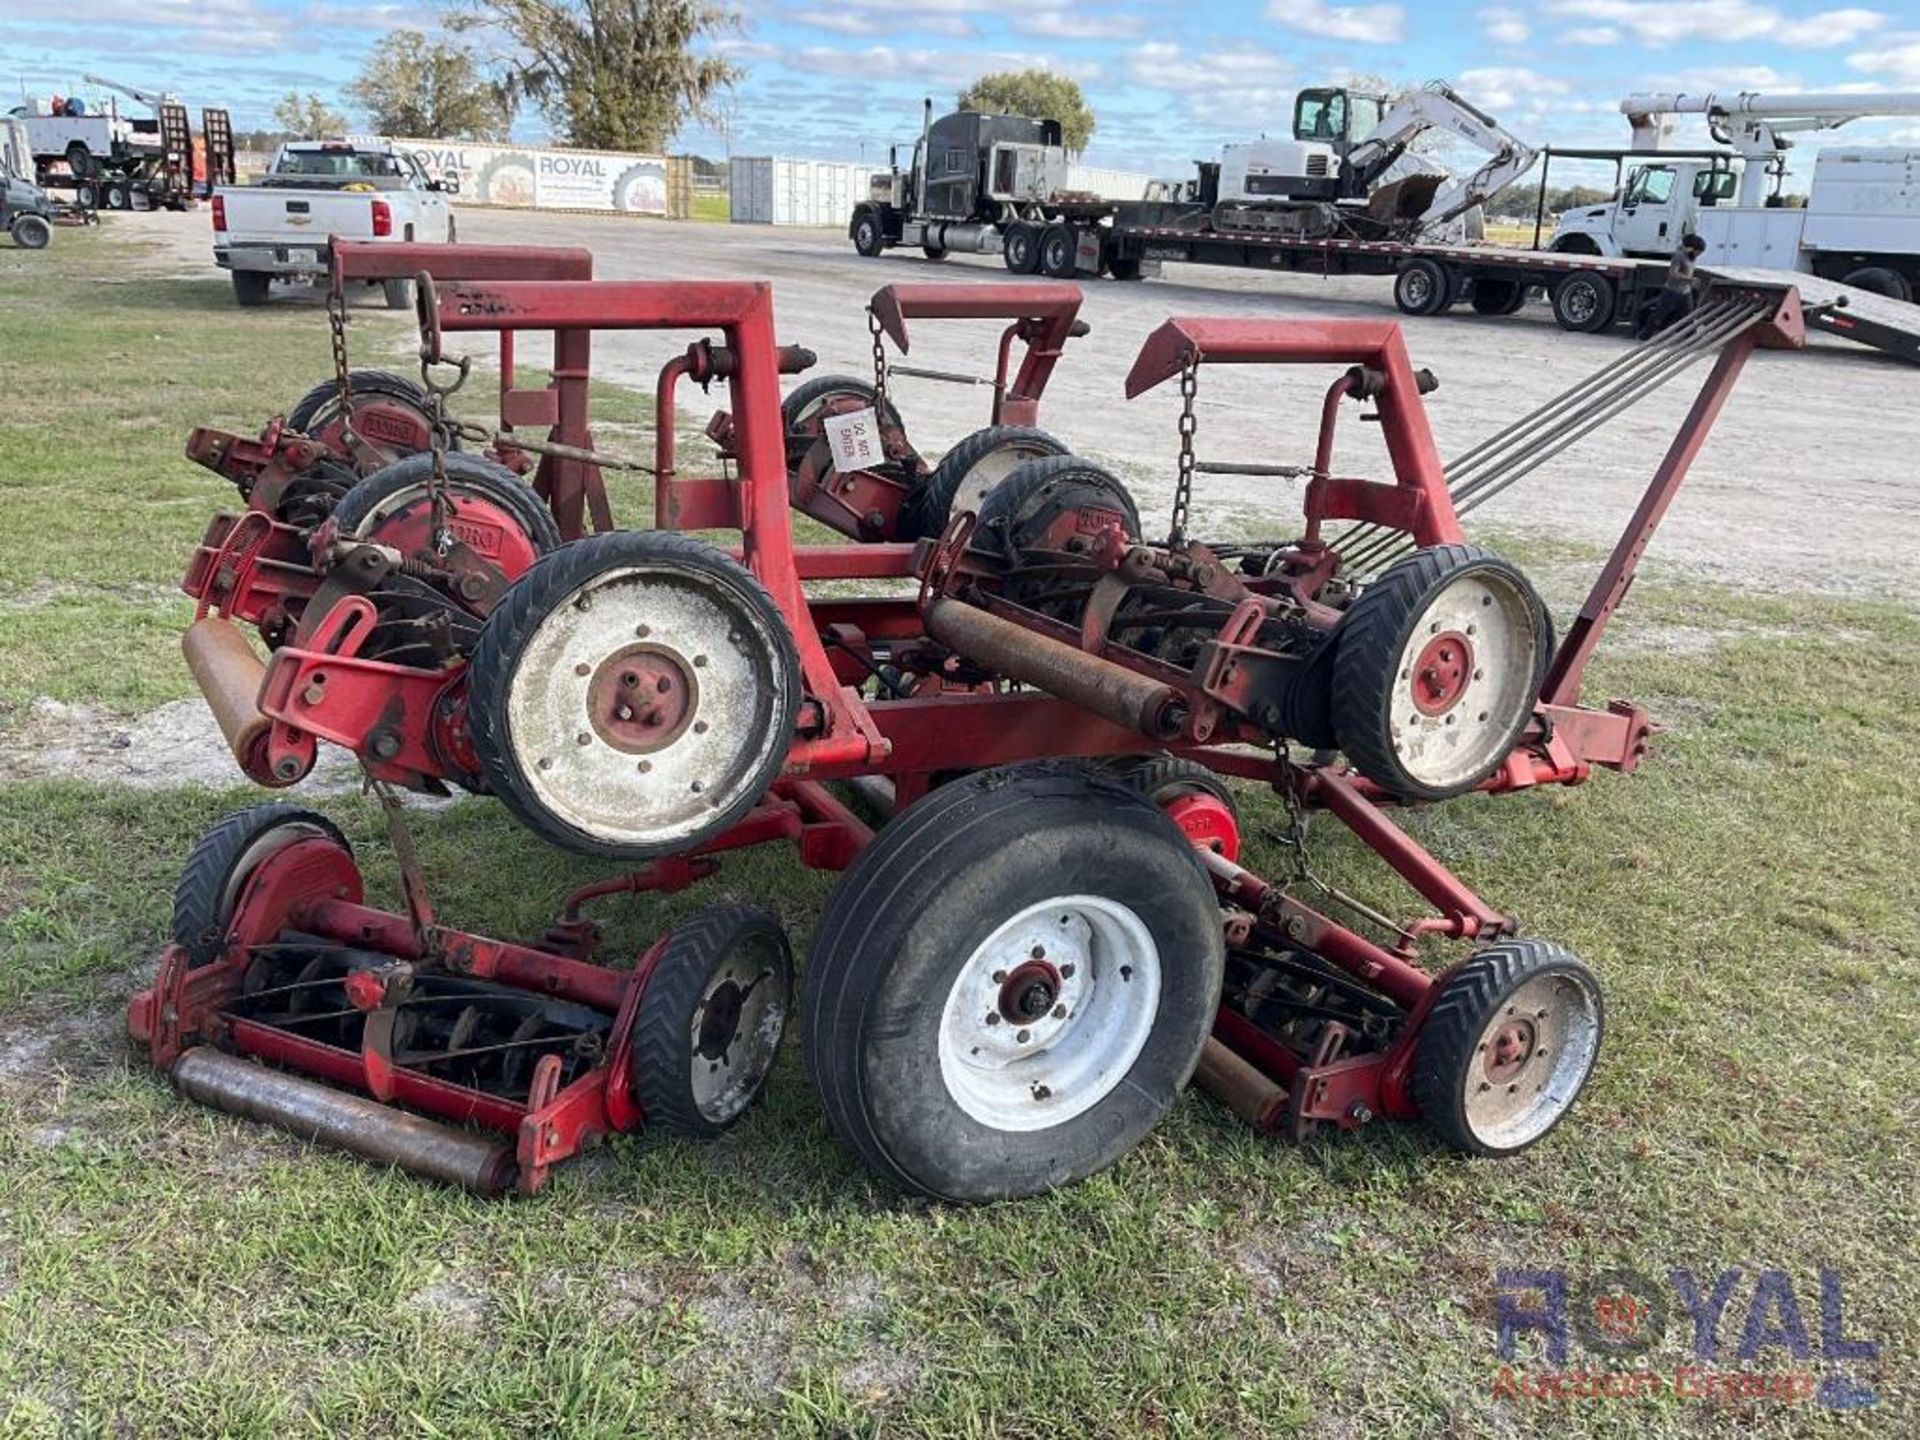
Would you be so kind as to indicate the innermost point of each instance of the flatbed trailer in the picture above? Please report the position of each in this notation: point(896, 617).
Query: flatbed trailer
point(1588, 293)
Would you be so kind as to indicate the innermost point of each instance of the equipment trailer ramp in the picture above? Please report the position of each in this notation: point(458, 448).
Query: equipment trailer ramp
point(1853, 314)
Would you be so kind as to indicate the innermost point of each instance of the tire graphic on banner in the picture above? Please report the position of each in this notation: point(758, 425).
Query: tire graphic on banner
point(642, 188)
point(506, 180)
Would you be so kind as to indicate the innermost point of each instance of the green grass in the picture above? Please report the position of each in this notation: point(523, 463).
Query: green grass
point(711, 207)
point(1748, 898)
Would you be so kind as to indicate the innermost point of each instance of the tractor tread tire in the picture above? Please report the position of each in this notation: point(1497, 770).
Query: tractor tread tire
point(930, 507)
point(1368, 644)
point(662, 1039)
point(1163, 778)
point(1448, 1038)
point(528, 602)
point(485, 477)
point(880, 907)
point(198, 926)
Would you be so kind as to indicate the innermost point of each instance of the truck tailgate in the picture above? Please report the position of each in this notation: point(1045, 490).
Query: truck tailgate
point(274, 215)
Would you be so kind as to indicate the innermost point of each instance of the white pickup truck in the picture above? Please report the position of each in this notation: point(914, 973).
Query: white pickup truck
point(277, 227)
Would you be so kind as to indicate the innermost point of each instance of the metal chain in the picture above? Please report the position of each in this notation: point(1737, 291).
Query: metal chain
point(1183, 484)
point(1295, 841)
point(879, 356)
point(342, 377)
point(442, 428)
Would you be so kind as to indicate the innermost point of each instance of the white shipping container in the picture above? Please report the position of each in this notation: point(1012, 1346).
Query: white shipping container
point(783, 190)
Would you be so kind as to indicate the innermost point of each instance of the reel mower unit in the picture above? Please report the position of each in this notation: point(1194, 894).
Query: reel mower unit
point(1055, 930)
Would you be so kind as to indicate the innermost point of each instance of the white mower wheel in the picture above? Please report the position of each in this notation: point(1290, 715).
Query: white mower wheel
point(971, 471)
point(633, 694)
point(1437, 668)
point(222, 862)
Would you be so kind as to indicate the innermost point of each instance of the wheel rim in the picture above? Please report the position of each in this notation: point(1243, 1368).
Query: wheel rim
point(1580, 303)
point(1464, 678)
point(1531, 1059)
point(866, 234)
point(736, 1030)
point(986, 473)
point(609, 751)
point(1416, 287)
point(1049, 1013)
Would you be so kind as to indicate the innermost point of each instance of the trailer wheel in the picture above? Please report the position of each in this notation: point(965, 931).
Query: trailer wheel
point(31, 232)
point(250, 287)
point(1880, 280)
point(970, 471)
point(1583, 302)
point(492, 510)
point(227, 857)
point(117, 195)
point(1436, 670)
point(1508, 1046)
point(1422, 287)
point(1043, 503)
point(709, 1023)
point(85, 196)
point(1498, 297)
point(1124, 267)
point(1059, 252)
point(868, 238)
point(1020, 250)
point(1010, 986)
point(633, 694)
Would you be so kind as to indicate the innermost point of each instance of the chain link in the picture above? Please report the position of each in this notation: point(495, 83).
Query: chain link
point(1189, 423)
point(879, 357)
point(442, 429)
point(342, 376)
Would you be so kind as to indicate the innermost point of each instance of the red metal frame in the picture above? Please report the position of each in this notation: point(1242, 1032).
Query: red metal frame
point(939, 727)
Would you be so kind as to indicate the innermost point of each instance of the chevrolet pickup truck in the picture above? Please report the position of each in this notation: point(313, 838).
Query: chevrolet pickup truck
point(277, 227)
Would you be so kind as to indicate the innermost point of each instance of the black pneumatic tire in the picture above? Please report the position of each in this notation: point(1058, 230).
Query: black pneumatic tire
point(1059, 252)
point(912, 910)
point(359, 382)
point(1372, 637)
point(1584, 302)
point(869, 239)
point(1498, 297)
point(1025, 504)
point(1423, 287)
point(1020, 249)
point(1450, 1046)
point(531, 599)
point(674, 1027)
point(1163, 778)
point(930, 507)
point(250, 287)
point(1880, 280)
point(31, 232)
point(468, 473)
point(796, 404)
point(224, 857)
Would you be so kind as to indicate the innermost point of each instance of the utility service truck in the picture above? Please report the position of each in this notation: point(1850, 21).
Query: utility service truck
point(1860, 225)
point(278, 228)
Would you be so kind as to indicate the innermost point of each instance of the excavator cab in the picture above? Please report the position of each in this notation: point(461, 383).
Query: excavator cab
point(1336, 117)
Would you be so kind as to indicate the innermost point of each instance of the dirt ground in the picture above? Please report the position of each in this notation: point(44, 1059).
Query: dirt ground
point(1805, 484)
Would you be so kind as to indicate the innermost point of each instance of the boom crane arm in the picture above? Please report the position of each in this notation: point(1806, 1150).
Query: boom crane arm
point(151, 99)
point(1438, 107)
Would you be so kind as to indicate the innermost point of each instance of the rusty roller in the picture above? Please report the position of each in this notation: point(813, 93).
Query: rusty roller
point(480, 1163)
point(229, 674)
point(1110, 691)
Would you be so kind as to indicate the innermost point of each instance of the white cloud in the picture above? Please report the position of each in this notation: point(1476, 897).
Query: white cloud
point(1508, 87)
point(1077, 24)
point(1243, 91)
point(1505, 26)
point(1899, 60)
point(1667, 22)
point(1364, 24)
point(1592, 35)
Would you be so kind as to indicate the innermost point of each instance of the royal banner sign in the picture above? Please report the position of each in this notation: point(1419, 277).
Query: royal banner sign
point(528, 178)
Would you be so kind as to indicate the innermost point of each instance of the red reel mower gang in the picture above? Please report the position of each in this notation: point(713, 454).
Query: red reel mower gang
point(1052, 933)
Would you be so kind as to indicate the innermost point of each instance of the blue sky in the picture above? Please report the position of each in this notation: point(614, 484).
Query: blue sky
point(842, 78)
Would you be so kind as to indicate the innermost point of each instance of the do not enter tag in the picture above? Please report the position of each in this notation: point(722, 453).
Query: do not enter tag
point(855, 439)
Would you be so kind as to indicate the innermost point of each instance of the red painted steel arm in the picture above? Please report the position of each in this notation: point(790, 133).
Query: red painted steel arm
point(1048, 308)
point(1424, 509)
point(369, 260)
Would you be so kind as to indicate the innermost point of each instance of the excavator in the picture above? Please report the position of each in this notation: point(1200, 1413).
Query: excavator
point(1349, 170)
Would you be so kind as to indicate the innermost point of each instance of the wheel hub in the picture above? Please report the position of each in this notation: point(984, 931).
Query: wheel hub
point(642, 698)
point(1442, 673)
point(1029, 992)
point(1509, 1050)
point(1532, 1056)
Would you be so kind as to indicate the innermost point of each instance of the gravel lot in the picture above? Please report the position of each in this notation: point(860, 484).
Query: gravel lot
point(1812, 456)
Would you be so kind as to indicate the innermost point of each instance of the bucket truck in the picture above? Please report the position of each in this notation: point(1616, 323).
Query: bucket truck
point(1860, 225)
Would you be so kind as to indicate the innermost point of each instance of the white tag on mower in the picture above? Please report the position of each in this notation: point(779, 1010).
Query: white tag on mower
point(855, 440)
